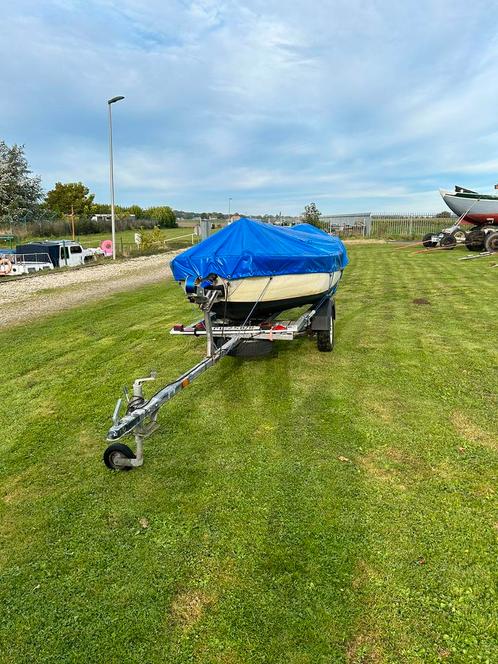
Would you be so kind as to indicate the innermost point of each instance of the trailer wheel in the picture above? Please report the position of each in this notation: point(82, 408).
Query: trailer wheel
point(474, 240)
point(447, 241)
point(325, 339)
point(459, 235)
point(427, 241)
point(115, 452)
point(491, 243)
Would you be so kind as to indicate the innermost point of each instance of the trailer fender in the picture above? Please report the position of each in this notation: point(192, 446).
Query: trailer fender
point(321, 321)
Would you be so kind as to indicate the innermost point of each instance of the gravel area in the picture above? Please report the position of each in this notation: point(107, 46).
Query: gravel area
point(24, 300)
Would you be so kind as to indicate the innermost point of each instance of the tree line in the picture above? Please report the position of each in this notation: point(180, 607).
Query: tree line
point(22, 199)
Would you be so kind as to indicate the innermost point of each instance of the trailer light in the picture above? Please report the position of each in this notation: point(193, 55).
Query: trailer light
point(265, 326)
point(185, 382)
point(178, 328)
point(200, 326)
point(279, 327)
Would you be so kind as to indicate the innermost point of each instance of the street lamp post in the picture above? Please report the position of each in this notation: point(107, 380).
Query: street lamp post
point(111, 177)
point(229, 205)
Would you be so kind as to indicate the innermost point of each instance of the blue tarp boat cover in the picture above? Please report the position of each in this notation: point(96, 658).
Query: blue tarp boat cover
point(249, 248)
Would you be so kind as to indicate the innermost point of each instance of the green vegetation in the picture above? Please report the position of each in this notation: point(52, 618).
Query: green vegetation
point(127, 238)
point(311, 215)
point(20, 191)
point(69, 198)
point(309, 508)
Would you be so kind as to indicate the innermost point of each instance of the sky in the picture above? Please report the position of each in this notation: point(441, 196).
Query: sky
point(358, 106)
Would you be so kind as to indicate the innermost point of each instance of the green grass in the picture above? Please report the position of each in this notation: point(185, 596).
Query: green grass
point(308, 508)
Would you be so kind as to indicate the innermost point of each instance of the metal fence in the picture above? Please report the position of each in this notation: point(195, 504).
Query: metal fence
point(392, 226)
point(407, 227)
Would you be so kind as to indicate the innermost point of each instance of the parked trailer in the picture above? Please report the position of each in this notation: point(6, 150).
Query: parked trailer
point(247, 340)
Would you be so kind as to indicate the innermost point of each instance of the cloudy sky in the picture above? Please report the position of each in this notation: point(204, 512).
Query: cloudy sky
point(356, 105)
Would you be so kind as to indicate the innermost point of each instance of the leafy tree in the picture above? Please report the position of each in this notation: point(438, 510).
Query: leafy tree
point(101, 208)
point(20, 191)
point(443, 215)
point(164, 216)
point(136, 210)
point(311, 215)
point(69, 197)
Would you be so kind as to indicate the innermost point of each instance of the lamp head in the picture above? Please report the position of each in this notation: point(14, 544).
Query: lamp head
point(114, 99)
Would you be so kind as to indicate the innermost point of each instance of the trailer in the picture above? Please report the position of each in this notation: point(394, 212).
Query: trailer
point(250, 339)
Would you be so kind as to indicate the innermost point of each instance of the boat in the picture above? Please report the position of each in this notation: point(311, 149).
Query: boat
point(474, 208)
point(263, 269)
point(480, 210)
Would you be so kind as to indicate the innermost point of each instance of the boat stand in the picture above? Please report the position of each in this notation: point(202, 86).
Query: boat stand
point(140, 417)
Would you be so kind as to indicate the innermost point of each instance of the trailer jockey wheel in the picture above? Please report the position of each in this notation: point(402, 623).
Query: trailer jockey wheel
point(116, 452)
point(491, 243)
point(325, 339)
point(447, 241)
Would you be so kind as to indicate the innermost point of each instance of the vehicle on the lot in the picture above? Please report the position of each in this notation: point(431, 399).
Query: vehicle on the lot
point(480, 210)
point(13, 264)
point(45, 255)
point(101, 217)
point(62, 253)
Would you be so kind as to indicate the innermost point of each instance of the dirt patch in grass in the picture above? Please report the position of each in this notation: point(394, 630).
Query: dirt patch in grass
point(363, 649)
point(188, 607)
point(472, 432)
point(420, 300)
point(380, 410)
point(393, 466)
point(364, 573)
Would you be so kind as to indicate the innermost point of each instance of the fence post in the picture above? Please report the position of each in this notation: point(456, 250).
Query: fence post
point(122, 252)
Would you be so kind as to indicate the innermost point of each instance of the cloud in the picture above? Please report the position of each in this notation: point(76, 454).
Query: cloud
point(351, 104)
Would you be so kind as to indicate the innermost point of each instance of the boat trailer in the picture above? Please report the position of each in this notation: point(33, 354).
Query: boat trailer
point(222, 338)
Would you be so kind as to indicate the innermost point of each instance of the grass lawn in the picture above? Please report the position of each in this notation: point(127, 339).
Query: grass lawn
point(309, 508)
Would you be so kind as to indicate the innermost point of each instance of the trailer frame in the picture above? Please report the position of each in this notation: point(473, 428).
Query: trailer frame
point(222, 339)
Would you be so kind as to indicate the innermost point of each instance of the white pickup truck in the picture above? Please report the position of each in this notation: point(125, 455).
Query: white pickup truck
point(62, 253)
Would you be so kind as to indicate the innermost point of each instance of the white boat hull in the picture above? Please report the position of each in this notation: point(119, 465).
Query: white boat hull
point(274, 294)
point(474, 210)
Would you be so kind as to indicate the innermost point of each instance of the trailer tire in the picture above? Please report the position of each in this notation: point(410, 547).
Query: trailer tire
point(448, 241)
point(427, 241)
point(474, 240)
point(117, 451)
point(325, 338)
point(459, 235)
point(491, 243)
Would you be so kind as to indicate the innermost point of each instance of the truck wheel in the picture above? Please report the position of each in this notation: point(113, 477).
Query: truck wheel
point(459, 235)
point(116, 452)
point(491, 242)
point(325, 339)
point(447, 241)
point(427, 241)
